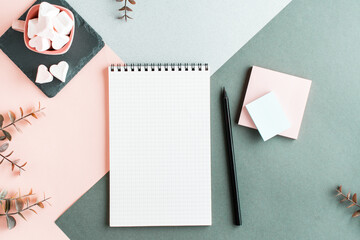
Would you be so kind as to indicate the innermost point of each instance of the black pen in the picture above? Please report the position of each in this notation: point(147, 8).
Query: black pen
point(232, 163)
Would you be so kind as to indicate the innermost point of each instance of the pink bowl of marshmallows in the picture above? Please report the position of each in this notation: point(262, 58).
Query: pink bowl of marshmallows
point(48, 29)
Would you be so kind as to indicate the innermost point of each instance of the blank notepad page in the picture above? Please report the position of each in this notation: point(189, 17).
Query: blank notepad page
point(160, 159)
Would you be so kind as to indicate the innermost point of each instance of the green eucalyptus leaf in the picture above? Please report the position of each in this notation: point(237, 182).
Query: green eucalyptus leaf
point(2, 138)
point(17, 129)
point(19, 204)
point(7, 135)
point(1, 120)
point(12, 116)
point(3, 194)
point(7, 205)
point(11, 222)
point(4, 147)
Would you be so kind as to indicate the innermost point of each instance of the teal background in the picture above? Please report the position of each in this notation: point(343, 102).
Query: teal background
point(287, 186)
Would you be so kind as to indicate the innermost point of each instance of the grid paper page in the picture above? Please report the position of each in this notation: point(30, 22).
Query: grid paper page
point(160, 172)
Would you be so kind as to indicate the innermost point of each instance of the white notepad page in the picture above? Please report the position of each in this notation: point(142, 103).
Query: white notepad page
point(160, 172)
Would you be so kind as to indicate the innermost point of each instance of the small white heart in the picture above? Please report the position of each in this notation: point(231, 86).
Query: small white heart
point(43, 75)
point(48, 10)
point(40, 44)
point(60, 70)
point(59, 41)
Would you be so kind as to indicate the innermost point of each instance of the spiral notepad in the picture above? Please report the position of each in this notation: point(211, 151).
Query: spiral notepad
point(160, 172)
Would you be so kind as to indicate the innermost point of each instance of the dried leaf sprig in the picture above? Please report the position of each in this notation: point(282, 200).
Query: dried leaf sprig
point(14, 163)
point(14, 121)
point(126, 9)
point(21, 203)
point(351, 199)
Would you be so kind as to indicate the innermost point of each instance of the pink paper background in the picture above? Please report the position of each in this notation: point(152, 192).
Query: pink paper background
point(291, 91)
point(66, 150)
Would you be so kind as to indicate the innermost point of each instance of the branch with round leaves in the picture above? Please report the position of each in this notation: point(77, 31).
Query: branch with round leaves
point(14, 120)
point(351, 199)
point(22, 203)
point(14, 163)
point(126, 9)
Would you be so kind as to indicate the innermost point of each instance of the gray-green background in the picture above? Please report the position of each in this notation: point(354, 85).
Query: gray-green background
point(287, 186)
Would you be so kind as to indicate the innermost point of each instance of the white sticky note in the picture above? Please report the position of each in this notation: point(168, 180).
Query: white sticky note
point(268, 116)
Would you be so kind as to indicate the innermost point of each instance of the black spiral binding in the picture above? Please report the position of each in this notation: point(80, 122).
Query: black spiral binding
point(159, 67)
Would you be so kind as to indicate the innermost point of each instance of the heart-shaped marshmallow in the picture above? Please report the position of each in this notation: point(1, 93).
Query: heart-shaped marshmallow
point(48, 10)
point(60, 70)
point(40, 44)
point(43, 75)
point(59, 40)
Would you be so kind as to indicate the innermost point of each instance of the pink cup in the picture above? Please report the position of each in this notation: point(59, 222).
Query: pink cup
point(22, 26)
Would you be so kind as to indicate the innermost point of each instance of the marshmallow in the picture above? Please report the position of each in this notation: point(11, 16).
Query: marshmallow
point(40, 44)
point(59, 40)
point(63, 23)
point(60, 70)
point(48, 10)
point(43, 75)
point(32, 28)
point(45, 28)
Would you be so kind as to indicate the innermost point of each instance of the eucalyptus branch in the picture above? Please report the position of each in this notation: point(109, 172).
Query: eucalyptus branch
point(39, 203)
point(14, 121)
point(13, 163)
point(19, 203)
point(126, 9)
point(22, 118)
point(352, 199)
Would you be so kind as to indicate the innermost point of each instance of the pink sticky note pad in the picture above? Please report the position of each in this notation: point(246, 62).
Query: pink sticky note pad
point(291, 91)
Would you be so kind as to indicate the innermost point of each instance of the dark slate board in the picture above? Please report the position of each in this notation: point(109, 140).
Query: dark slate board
point(86, 44)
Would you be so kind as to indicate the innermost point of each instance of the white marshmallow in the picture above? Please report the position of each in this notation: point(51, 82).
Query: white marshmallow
point(32, 28)
point(45, 28)
point(48, 10)
point(60, 70)
point(59, 40)
point(40, 44)
point(63, 23)
point(43, 75)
